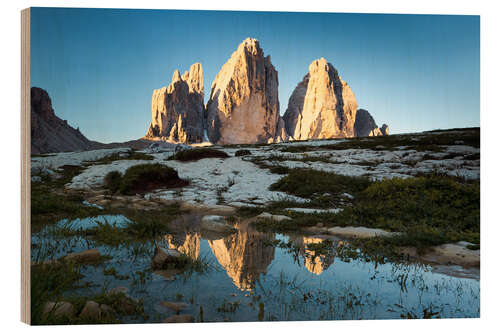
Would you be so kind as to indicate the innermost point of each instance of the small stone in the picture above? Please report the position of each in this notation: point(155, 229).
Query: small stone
point(84, 256)
point(177, 307)
point(185, 318)
point(118, 290)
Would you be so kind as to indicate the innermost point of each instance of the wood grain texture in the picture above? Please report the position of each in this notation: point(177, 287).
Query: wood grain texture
point(25, 168)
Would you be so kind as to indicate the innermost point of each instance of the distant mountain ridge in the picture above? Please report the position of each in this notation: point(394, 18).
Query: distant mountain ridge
point(51, 134)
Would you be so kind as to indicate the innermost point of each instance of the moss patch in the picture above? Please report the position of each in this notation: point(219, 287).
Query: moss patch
point(132, 155)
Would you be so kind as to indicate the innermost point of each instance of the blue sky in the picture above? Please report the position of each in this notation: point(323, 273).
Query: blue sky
point(100, 66)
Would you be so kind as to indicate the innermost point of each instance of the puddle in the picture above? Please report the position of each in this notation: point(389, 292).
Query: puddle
point(252, 275)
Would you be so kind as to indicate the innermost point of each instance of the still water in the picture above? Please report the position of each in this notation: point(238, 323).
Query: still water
point(248, 276)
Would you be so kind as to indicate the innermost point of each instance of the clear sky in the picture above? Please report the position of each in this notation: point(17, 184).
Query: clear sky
point(100, 66)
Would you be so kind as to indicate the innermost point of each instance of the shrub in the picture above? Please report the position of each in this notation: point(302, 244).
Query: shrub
point(198, 154)
point(112, 181)
point(147, 177)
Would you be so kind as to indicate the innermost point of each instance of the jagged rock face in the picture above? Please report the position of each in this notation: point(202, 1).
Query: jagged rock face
point(51, 134)
point(243, 105)
point(321, 106)
point(178, 109)
point(384, 129)
point(365, 125)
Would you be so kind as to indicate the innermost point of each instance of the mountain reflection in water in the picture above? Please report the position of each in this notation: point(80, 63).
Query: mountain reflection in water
point(245, 254)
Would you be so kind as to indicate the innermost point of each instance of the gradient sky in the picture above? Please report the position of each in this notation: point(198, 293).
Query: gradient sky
point(100, 66)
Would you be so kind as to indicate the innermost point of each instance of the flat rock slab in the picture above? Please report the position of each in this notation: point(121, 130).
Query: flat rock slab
point(84, 256)
point(276, 218)
point(449, 254)
point(212, 209)
point(359, 232)
point(314, 210)
point(216, 223)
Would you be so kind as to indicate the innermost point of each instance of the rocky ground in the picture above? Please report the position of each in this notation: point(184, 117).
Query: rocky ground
point(398, 198)
point(224, 185)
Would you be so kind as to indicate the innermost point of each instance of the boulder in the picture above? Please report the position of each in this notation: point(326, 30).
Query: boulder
point(322, 106)
point(243, 105)
point(91, 310)
point(59, 309)
point(162, 258)
point(178, 110)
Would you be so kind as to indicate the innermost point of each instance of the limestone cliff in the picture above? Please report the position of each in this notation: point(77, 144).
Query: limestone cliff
point(322, 106)
point(178, 110)
point(243, 105)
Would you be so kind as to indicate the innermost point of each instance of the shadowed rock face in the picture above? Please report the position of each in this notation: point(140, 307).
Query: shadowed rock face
point(365, 125)
point(321, 106)
point(51, 134)
point(243, 105)
point(178, 109)
point(244, 255)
